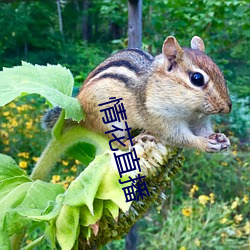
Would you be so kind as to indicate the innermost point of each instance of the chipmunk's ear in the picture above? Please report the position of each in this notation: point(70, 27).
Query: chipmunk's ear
point(197, 43)
point(171, 49)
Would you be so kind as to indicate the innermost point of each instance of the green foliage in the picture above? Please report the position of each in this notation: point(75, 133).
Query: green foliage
point(19, 198)
point(238, 121)
point(94, 201)
point(83, 152)
point(19, 127)
point(81, 58)
point(52, 82)
point(223, 25)
point(83, 190)
point(198, 224)
point(36, 29)
point(232, 166)
point(30, 32)
point(25, 200)
point(95, 195)
point(207, 207)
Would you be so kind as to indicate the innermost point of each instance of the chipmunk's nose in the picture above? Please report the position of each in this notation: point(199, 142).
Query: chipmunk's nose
point(227, 108)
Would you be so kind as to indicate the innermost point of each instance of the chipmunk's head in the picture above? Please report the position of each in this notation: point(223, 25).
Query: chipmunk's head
point(198, 77)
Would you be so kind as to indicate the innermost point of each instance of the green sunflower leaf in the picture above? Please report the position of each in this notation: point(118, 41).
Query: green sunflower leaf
point(53, 82)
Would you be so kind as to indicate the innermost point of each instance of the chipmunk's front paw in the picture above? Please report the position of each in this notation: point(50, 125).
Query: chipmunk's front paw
point(218, 142)
point(141, 138)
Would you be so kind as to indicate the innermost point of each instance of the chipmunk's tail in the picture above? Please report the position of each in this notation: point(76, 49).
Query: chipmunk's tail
point(50, 117)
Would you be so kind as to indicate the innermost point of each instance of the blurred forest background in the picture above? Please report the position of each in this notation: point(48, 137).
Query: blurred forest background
point(207, 206)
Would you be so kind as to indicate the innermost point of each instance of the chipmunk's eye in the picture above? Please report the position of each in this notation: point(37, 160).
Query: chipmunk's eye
point(197, 79)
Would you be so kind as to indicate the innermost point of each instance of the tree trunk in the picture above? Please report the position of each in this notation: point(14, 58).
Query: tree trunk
point(59, 16)
point(131, 238)
point(85, 20)
point(134, 41)
point(135, 23)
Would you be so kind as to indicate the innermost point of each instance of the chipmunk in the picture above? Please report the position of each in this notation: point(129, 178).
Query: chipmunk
point(170, 96)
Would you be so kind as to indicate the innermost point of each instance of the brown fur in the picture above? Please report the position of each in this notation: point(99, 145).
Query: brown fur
point(158, 95)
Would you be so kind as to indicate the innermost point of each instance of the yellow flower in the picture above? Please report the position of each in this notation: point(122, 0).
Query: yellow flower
point(211, 195)
point(223, 235)
point(14, 123)
point(23, 164)
point(224, 164)
point(245, 199)
point(35, 159)
point(70, 178)
point(6, 113)
point(4, 134)
point(29, 124)
point(19, 108)
point(223, 220)
point(65, 163)
point(65, 185)
point(12, 105)
point(238, 218)
point(187, 211)
point(238, 159)
point(24, 154)
point(20, 154)
point(247, 227)
point(197, 242)
point(6, 149)
point(238, 233)
point(183, 248)
point(6, 141)
point(203, 199)
point(193, 190)
point(77, 162)
point(234, 152)
point(55, 178)
point(235, 203)
point(73, 168)
point(23, 107)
